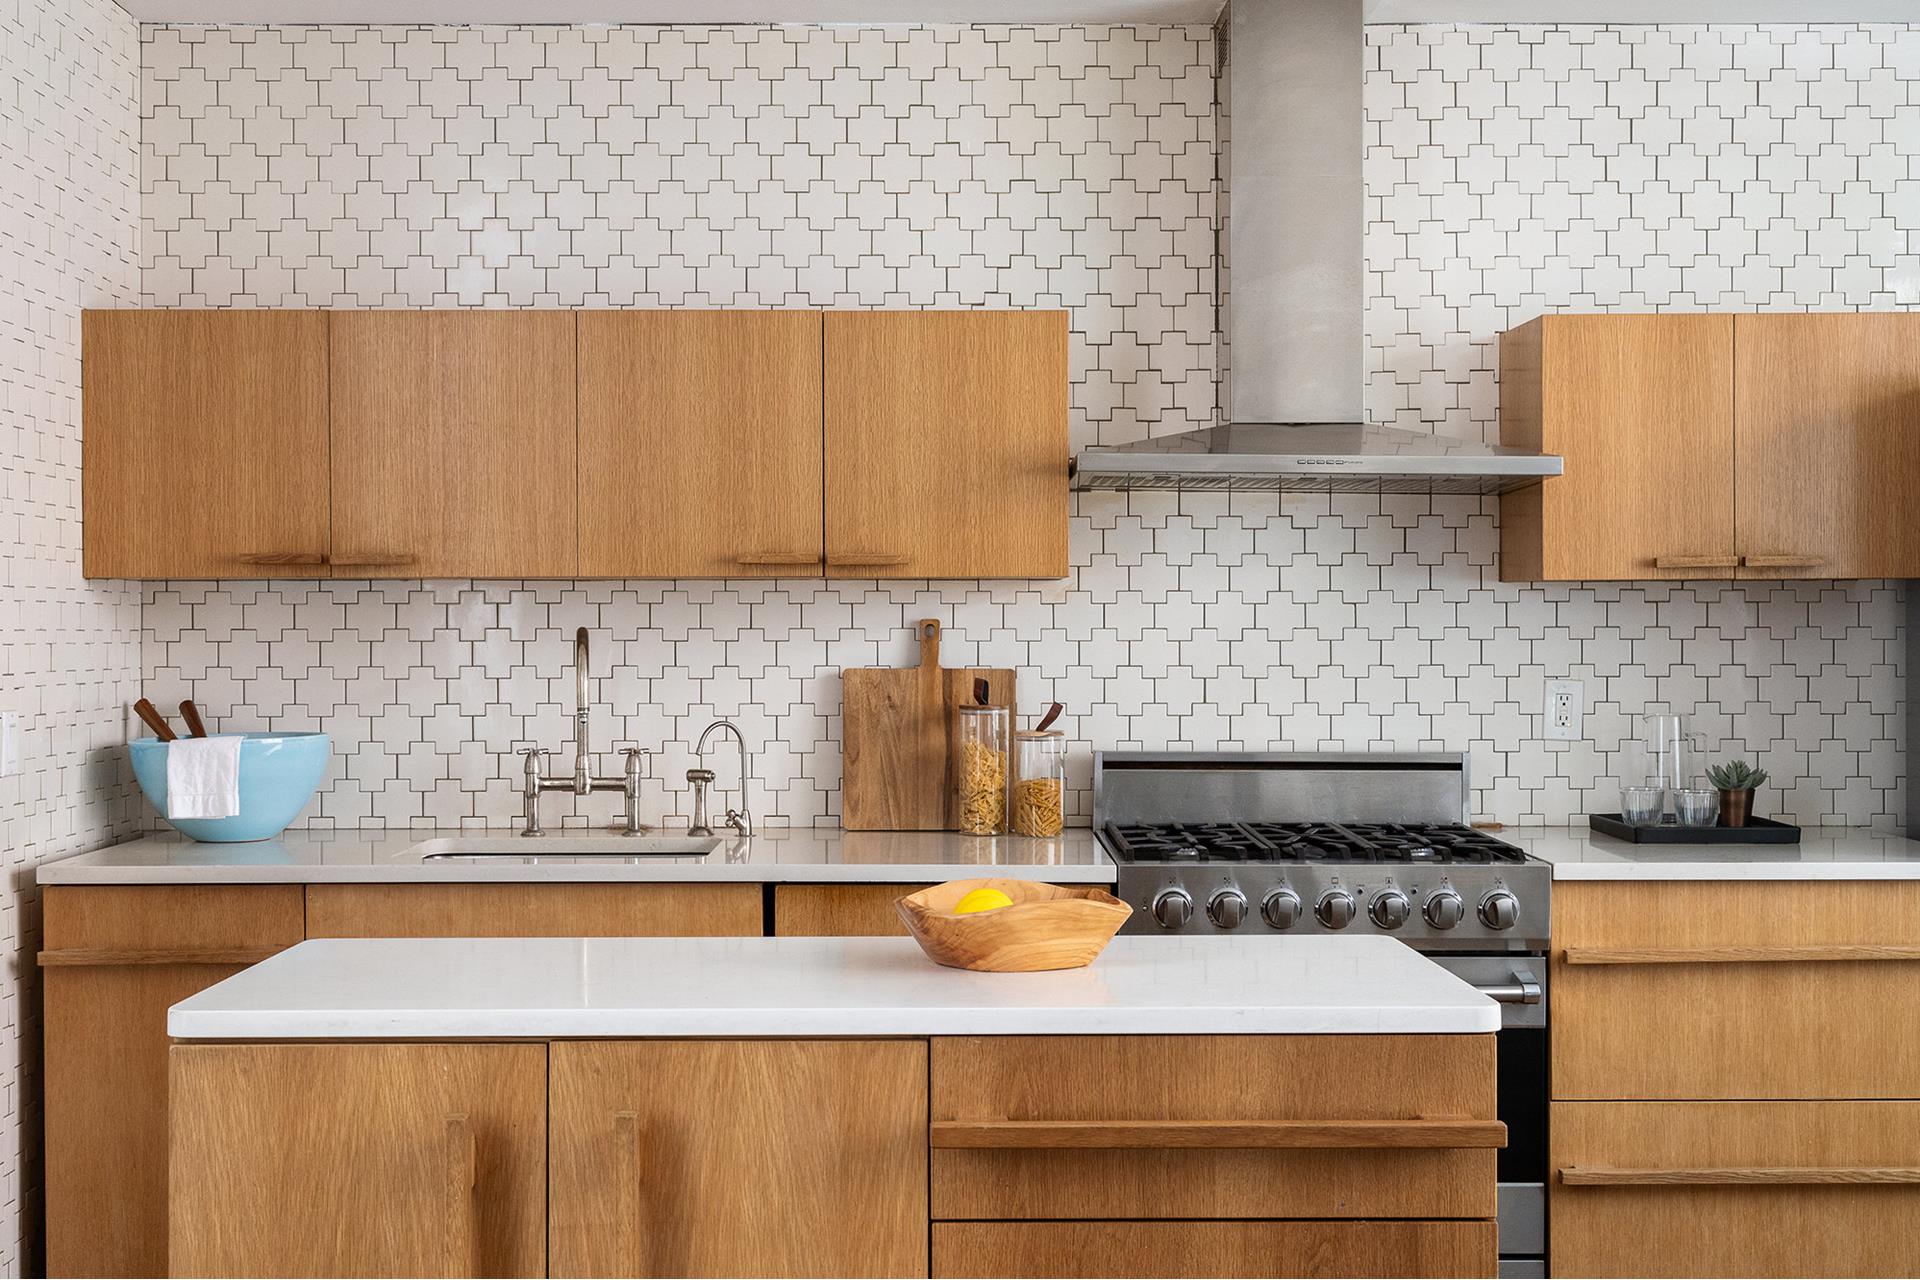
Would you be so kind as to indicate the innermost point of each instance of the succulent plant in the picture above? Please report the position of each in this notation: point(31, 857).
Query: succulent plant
point(1736, 775)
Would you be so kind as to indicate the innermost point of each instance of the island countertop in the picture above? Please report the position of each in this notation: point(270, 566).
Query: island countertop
point(439, 856)
point(628, 988)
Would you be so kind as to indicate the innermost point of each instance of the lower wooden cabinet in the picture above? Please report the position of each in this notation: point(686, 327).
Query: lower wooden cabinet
point(533, 911)
point(1735, 1188)
point(359, 1160)
point(1213, 1249)
point(740, 1158)
point(839, 910)
point(115, 958)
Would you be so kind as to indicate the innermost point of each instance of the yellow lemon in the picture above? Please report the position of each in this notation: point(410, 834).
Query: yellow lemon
point(981, 900)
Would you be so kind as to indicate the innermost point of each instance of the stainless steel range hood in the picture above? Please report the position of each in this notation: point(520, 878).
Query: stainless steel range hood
point(1290, 89)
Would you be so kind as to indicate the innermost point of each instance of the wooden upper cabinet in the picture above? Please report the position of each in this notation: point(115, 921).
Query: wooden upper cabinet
point(700, 444)
point(204, 444)
point(1827, 437)
point(1642, 409)
point(453, 444)
point(946, 444)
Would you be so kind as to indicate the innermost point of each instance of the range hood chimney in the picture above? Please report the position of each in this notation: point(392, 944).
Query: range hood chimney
point(1290, 91)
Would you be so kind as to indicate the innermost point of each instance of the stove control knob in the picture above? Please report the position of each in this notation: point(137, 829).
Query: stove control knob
point(1173, 908)
point(1390, 908)
point(1227, 908)
point(1281, 908)
point(1445, 909)
point(1335, 909)
point(1500, 910)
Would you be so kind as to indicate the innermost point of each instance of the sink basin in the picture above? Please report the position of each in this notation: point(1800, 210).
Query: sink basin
point(567, 846)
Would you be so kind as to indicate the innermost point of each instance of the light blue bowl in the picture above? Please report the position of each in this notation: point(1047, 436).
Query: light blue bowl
point(279, 772)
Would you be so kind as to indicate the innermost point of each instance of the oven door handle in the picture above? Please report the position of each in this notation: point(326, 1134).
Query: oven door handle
point(1524, 989)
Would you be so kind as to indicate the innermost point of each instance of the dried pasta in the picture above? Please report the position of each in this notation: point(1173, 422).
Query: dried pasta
point(1036, 807)
point(983, 789)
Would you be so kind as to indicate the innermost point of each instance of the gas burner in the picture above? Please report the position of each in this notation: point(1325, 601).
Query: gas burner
point(1418, 843)
point(1187, 842)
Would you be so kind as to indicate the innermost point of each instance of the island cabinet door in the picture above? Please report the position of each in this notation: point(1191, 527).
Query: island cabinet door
point(739, 1158)
point(1048, 1249)
point(358, 1160)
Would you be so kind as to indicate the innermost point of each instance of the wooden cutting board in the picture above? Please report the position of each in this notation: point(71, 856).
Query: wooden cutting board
point(899, 729)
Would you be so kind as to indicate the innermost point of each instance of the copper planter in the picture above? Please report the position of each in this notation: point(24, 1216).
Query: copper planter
point(1736, 807)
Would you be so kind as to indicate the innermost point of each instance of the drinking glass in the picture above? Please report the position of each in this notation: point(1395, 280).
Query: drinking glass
point(1696, 806)
point(1641, 806)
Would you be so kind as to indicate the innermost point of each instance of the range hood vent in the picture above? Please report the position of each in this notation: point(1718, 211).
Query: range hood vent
point(1312, 457)
point(1292, 296)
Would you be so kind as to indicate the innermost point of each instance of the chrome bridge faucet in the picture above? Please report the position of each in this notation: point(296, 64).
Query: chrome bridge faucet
point(582, 782)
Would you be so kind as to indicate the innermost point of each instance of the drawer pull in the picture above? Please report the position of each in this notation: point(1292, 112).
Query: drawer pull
point(273, 558)
point(1020, 1135)
point(1738, 955)
point(1783, 562)
point(463, 1173)
point(1779, 1176)
point(778, 558)
point(118, 956)
point(857, 559)
point(1696, 562)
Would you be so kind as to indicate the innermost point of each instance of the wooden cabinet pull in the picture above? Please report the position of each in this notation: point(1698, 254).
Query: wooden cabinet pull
point(1739, 955)
point(1782, 562)
point(1775, 1176)
point(463, 1175)
point(284, 558)
point(1696, 562)
point(778, 557)
point(1225, 1134)
point(123, 956)
point(857, 559)
point(626, 1167)
point(375, 560)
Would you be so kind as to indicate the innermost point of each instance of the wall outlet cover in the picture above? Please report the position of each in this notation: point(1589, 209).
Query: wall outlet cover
point(1566, 710)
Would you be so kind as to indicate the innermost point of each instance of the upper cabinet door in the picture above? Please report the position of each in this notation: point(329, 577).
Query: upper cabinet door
point(700, 444)
point(946, 444)
point(1827, 436)
point(453, 444)
point(204, 449)
point(1641, 408)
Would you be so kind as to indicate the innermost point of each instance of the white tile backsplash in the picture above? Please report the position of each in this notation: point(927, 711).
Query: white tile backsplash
point(1509, 169)
point(69, 649)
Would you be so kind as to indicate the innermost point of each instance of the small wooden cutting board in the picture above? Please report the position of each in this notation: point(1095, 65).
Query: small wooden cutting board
point(897, 727)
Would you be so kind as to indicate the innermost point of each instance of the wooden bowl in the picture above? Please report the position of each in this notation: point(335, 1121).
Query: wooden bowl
point(1049, 926)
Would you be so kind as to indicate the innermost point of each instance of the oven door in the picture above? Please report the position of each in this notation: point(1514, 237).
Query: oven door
point(1519, 983)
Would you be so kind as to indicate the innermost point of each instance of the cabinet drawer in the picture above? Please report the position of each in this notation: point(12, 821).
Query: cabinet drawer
point(1213, 1249)
point(839, 910)
point(533, 911)
point(1735, 1188)
point(1031, 1127)
point(1715, 990)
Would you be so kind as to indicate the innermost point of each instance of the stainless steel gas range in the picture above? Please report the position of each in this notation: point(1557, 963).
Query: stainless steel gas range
point(1316, 843)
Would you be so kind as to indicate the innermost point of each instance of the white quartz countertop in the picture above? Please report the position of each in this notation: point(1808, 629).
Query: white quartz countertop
point(563, 988)
point(1824, 853)
point(440, 856)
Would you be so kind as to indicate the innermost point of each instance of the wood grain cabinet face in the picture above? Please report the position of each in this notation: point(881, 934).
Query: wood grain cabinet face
point(700, 444)
point(946, 444)
point(1827, 442)
point(359, 1160)
point(533, 911)
point(739, 1158)
point(453, 444)
point(1735, 1189)
point(1043, 1249)
point(116, 958)
point(204, 444)
point(839, 910)
point(1641, 407)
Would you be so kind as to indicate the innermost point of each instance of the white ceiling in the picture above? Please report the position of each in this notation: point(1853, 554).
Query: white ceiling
point(995, 11)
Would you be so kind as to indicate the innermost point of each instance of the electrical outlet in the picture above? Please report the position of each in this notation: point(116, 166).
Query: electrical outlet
point(1566, 709)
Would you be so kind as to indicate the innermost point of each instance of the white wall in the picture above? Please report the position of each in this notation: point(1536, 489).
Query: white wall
point(69, 649)
point(1036, 166)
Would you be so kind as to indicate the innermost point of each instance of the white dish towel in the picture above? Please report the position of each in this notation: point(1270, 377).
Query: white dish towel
point(203, 777)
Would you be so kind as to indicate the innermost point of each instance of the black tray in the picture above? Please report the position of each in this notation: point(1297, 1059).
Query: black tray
point(1757, 831)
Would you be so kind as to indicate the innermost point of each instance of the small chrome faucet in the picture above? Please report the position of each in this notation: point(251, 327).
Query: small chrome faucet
point(741, 819)
point(583, 782)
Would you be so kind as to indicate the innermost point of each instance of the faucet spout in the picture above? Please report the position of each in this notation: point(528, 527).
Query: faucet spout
point(582, 751)
point(742, 820)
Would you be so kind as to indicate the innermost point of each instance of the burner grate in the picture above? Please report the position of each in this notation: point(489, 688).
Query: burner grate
point(1411, 843)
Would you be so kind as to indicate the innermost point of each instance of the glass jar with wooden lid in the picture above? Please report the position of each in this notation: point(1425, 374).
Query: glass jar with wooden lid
point(1040, 782)
point(980, 771)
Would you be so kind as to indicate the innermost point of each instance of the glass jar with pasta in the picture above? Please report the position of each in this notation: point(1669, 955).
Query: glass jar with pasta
point(1040, 782)
point(980, 772)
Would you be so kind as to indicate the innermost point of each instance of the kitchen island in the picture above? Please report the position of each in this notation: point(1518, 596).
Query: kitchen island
point(772, 1106)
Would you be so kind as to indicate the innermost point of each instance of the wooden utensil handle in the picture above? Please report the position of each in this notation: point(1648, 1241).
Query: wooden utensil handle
point(196, 727)
point(151, 717)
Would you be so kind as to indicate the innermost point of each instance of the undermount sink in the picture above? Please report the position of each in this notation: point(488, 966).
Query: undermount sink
point(568, 846)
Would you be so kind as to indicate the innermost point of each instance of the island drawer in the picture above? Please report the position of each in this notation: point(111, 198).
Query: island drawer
point(1214, 1249)
point(1735, 1188)
point(1714, 990)
point(1213, 1127)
